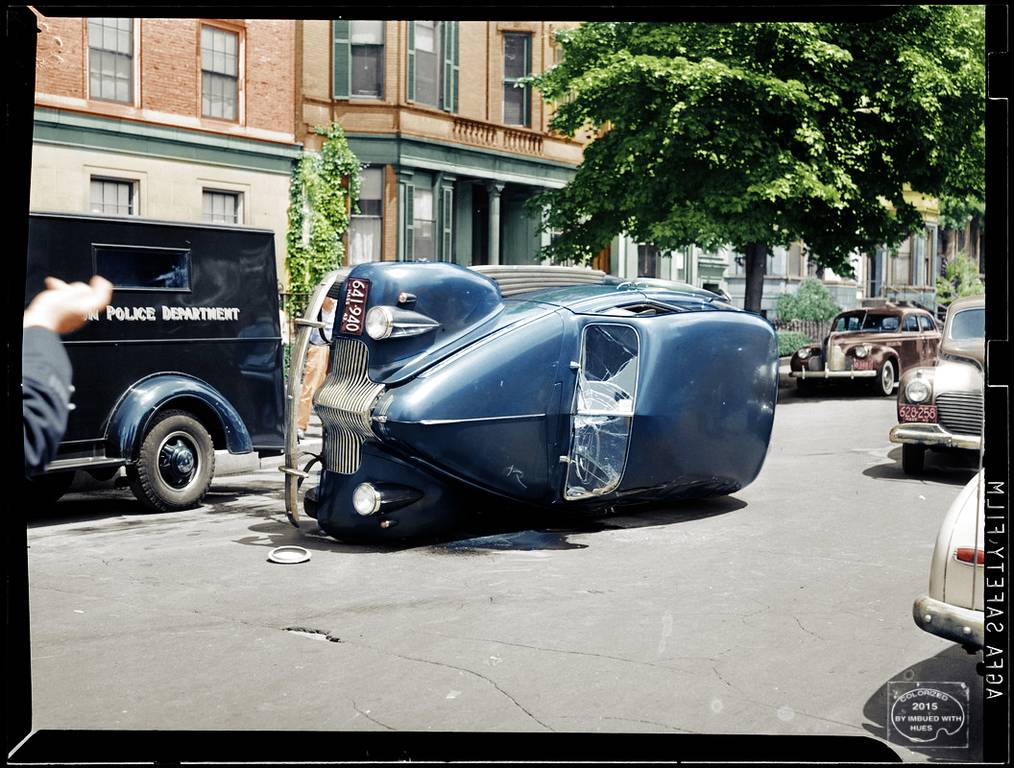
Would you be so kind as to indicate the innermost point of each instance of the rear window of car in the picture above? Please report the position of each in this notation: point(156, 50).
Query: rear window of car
point(968, 324)
point(926, 323)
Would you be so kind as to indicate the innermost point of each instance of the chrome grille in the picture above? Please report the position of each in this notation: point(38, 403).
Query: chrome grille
point(835, 358)
point(960, 412)
point(343, 403)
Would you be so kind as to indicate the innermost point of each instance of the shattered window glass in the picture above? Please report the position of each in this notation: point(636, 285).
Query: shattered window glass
point(604, 407)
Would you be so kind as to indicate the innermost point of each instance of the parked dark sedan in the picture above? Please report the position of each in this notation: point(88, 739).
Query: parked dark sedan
point(447, 387)
point(876, 345)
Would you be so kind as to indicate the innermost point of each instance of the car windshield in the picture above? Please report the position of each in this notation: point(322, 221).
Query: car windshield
point(968, 324)
point(880, 323)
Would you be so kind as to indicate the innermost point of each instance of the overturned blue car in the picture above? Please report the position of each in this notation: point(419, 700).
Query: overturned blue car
point(549, 387)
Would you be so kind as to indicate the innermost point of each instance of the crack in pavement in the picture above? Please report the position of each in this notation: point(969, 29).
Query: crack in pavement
point(371, 719)
point(775, 708)
point(629, 720)
point(575, 653)
point(459, 669)
point(813, 634)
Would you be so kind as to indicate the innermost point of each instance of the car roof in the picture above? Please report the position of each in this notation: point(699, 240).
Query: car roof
point(967, 301)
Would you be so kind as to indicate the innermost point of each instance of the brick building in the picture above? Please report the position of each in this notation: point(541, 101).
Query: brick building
point(173, 119)
point(452, 147)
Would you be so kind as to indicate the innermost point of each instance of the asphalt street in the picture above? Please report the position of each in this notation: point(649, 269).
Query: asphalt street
point(784, 608)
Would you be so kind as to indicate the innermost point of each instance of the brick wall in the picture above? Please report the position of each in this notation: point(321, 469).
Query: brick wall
point(60, 57)
point(167, 53)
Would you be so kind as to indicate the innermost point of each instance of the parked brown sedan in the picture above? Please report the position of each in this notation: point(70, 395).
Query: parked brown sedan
point(876, 345)
point(940, 404)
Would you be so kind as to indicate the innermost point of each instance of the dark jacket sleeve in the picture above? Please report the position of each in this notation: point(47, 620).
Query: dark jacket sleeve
point(45, 395)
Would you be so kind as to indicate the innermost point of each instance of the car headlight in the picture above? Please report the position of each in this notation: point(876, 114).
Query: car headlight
point(379, 323)
point(862, 351)
point(365, 500)
point(917, 391)
point(803, 353)
point(384, 322)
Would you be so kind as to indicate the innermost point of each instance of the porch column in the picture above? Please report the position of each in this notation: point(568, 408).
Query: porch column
point(495, 189)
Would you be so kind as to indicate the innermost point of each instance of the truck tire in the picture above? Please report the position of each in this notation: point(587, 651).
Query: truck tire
point(175, 465)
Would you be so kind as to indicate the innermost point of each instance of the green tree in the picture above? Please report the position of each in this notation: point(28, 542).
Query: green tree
point(811, 302)
point(960, 278)
point(322, 192)
point(760, 134)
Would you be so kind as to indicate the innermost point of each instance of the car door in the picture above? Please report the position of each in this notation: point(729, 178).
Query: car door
point(930, 338)
point(911, 342)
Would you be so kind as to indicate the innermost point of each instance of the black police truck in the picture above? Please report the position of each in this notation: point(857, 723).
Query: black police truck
point(185, 360)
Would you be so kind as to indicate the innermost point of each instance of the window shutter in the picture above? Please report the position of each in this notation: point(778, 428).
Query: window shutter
point(447, 213)
point(449, 45)
point(409, 234)
point(341, 55)
point(411, 61)
point(455, 29)
point(528, 89)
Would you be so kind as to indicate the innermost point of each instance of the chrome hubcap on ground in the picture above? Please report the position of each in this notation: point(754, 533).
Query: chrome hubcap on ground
point(178, 462)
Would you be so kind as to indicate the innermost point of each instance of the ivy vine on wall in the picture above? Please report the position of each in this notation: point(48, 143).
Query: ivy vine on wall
point(322, 194)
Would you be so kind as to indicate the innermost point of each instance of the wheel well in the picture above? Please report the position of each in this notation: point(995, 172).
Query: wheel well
point(201, 411)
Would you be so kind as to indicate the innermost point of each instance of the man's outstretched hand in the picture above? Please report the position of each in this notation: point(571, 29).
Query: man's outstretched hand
point(64, 307)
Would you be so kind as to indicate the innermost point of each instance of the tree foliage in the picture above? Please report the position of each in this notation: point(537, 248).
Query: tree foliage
point(960, 278)
point(811, 302)
point(323, 190)
point(766, 133)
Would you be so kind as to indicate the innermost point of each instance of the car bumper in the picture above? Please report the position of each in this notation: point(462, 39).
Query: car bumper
point(825, 374)
point(933, 434)
point(960, 625)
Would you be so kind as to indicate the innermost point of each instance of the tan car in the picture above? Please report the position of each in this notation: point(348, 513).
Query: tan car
point(952, 607)
point(876, 345)
point(940, 404)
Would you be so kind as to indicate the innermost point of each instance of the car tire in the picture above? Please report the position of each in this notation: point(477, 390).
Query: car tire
point(175, 465)
point(912, 458)
point(887, 377)
point(46, 490)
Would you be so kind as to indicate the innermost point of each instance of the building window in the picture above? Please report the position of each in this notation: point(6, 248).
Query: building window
point(111, 60)
point(222, 207)
point(427, 62)
point(113, 196)
point(433, 63)
point(422, 222)
point(647, 261)
point(366, 230)
point(367, 54)
point(517, 63)
point(219, 73)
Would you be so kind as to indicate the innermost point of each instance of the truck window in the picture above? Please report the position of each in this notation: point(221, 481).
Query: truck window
point(143, 268)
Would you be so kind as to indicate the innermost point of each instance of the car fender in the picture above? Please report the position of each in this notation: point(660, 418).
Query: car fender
point(924, 372)
point(131, 415)
point(879, 354)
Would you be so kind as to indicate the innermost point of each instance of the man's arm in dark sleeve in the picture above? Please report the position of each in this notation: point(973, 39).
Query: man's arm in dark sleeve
point(45, 392)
